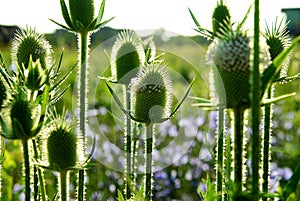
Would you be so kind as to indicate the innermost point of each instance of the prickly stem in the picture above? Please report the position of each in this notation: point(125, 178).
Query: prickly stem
point(27, 170)
point(128, 147)
point(63, 183)
point(148, 164)
point(238, 147)
point(220, 150)
point(82, 104)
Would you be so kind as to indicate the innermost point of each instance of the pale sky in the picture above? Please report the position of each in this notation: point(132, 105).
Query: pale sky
point(172, 15)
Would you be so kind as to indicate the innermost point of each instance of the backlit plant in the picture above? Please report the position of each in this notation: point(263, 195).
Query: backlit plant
point(235, 87)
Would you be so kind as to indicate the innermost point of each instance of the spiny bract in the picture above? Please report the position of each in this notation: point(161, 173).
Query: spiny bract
point(127, 55)
point(220, 18)
point(3, 93)
point(62, 148)
point(151, 91)
point(28, 43)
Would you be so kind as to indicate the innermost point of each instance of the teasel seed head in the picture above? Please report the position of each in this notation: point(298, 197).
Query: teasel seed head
point(127, 55)
point(28, 43)
point(151, 94)
point(62, 147)
point(21, 113)
point(277, 39)
point(82, 12)
point(220, 18)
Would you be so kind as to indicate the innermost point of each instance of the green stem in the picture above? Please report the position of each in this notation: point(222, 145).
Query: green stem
point(27, 169)
point(220, 150)
point(255, 107)
point(129, 171)
point(63, 186)
point(1, 160)
point(238, 147)
point(134, 149)
point(266, 146)
point(148, 165)
point(38, 177)
point(82, 104)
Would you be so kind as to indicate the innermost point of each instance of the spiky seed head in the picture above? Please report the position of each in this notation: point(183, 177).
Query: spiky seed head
point(126, 56)
point(149, 49)
point(151, 92)
point(21, 117)
point(220, 18)
point(62, 148)
point(82, 12)
point(28, 43)
point(232, 60)
point(3, 92)
point(277, 39)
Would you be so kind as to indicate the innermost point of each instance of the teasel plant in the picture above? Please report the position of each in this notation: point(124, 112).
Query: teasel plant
point(127, 56)
point(151, 104)
point(62, 150)
point(32, 87)
point(80, 19)
point(230, 55)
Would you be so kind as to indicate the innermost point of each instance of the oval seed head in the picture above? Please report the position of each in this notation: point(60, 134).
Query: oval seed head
point(126, 56)
point(277, 39)
point(3, 93)
point(21, 117)
point(82, 12)
point(220, 18)
point(28, 43)
point(151, 92)
point(231, 57)
point(62, 146)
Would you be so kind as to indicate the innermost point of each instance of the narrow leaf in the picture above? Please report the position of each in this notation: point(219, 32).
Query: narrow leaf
point(292, 183)
point(277, 99)
point(120, 196)
point(183, 99)
point(101, 11)
point(65, 14)
point(102, 24)
point(61, 25)
point(200, 100)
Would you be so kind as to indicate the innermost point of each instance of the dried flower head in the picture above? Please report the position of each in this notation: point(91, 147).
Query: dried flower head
point(127, 55)
point(151, 94)
point(28, 43)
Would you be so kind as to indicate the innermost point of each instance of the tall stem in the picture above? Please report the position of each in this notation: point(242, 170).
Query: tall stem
point(27, 169)
point(255, 107)
point(238, 146)
point(63, 186)
point(266, 146)
point(1, 160)
point(220, 150)
point(148, 165)
point(82, 103)
point(128, 157)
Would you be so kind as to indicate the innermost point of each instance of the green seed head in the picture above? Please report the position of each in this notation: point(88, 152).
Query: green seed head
point(62, 147)
point(28, 43)
point(220, 18)
point(21, 117)
point(127, 55)
point(277, 39)
point(82, 12)
point(3, 93)
point(232, 60)
point(151, 94)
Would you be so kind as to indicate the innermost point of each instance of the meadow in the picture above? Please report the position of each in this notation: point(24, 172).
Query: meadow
point(184, 160)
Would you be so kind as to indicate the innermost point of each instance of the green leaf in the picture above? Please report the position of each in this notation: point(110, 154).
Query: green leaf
point(120, 196)
point(140, 195)
point(288, 78)
point(65, 14)
point(200, 100)
point(101, 11)
point(61, 25)
point(292, 183)
point(244, 19)
point(277, 99)
point(201, 30)
point(183, 99)
point(100, 25)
